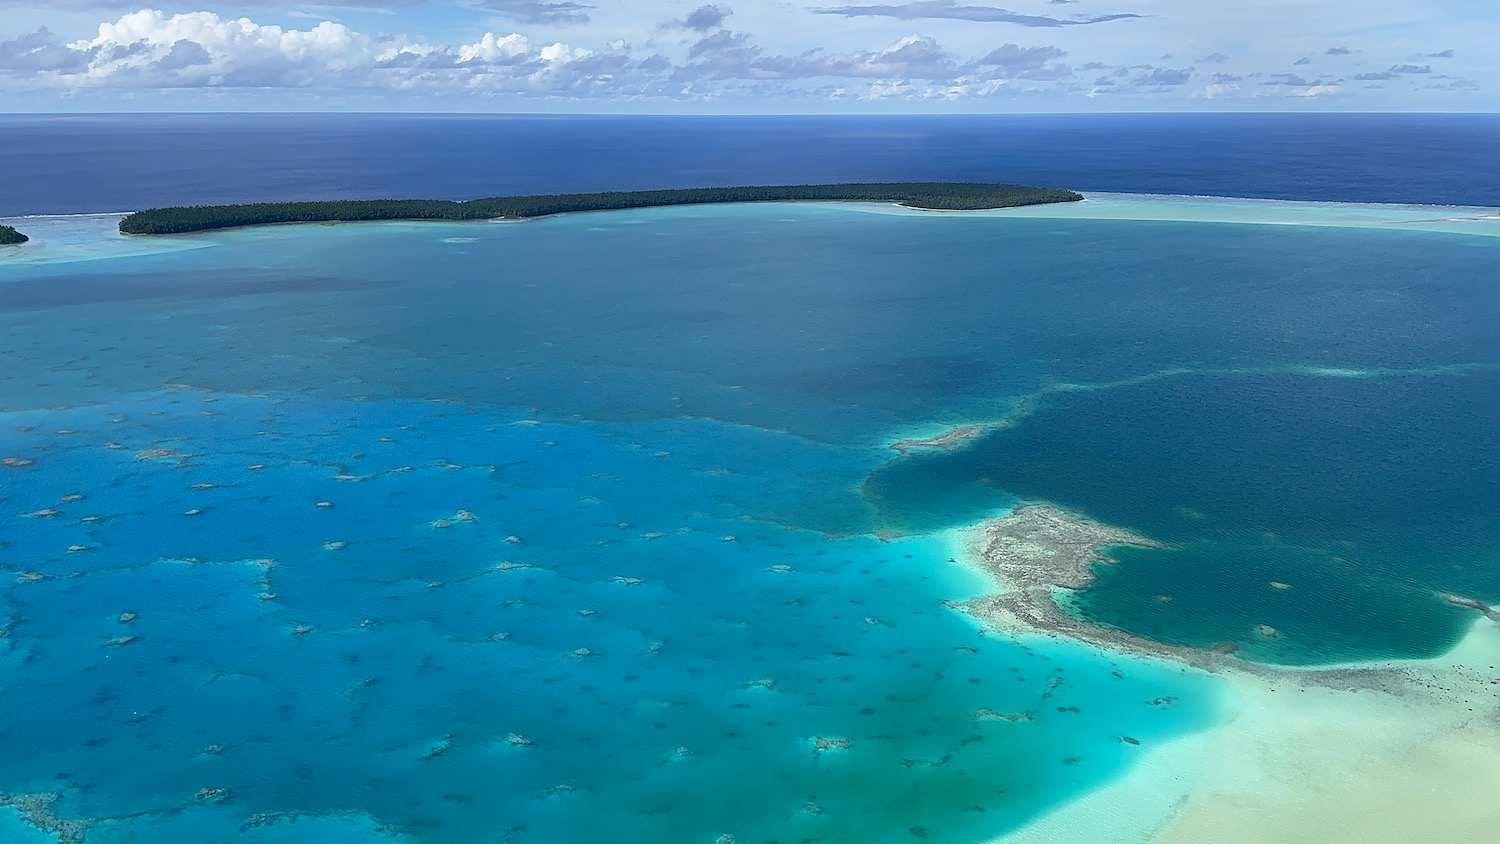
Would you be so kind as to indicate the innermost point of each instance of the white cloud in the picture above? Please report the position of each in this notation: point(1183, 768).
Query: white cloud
point(492, 49)
point(147, 48)
point(150, 49)
point(226, 37)
point(1318, 91)
point(563, 54)
point(662, 51)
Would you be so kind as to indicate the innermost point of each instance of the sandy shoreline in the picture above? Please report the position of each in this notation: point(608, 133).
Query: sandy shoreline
point(1377, 753)
point(1103, 205)
point(62, 237)
point(1414, 756)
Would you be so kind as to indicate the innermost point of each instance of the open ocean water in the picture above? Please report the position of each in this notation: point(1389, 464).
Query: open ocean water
point(586, 528)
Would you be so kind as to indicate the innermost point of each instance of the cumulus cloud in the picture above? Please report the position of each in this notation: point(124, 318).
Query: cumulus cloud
point(1012, 61)
point(200, 48)
point(951, 10)
point(150, 49)
point(1164, 77)
point(703, 59)
point(525, 11)
point(493, 50)
point(1395, 71)
point(1337, 51)
point(37, 52)
point(184, 54)
point(703, 18)
point(248, 4)
point(1016, 56)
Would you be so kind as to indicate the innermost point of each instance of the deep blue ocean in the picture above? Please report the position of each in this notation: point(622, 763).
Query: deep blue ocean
point(70, 164)
point(588, 528)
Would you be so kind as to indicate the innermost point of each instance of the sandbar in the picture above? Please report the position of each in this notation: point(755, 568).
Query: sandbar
point(1102, 205)
point(1394, 752)
point(950, 439)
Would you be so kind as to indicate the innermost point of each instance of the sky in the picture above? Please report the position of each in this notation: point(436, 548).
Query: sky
point(738, 56)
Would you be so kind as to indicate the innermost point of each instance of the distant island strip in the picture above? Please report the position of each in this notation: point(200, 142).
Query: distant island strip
point(933, 196)
point(9, 236)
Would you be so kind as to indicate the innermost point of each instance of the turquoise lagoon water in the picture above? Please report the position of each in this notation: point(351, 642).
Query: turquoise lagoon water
point(566, 530)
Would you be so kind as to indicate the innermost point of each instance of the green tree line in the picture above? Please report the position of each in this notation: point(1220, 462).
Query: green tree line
point(9, 236)
point(941, 196)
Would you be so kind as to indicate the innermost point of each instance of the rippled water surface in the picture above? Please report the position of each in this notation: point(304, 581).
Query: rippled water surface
point(588, 528)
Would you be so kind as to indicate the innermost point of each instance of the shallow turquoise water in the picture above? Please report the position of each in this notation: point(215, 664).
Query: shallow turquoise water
point(410, 673)
point(618, 393)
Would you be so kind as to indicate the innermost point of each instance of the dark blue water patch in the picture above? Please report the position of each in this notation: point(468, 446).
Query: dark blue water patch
point(1372, 492)
point(831, 324)
point(84, 163)
point(1275, 603)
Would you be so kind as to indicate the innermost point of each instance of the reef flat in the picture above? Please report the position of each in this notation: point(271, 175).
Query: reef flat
point(951, 439)
point(1037, 549)
point(927, 196)
point(1042, 553)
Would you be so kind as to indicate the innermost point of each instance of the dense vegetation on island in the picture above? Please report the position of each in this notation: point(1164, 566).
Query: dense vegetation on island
point(938, 196)
point(10, 236)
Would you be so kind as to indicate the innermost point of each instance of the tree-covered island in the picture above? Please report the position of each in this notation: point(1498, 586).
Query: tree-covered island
point(9, 236)
point(935, 196)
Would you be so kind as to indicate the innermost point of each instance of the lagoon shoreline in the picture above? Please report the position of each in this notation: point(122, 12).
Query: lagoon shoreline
point(66, 237)
point(1366, 753)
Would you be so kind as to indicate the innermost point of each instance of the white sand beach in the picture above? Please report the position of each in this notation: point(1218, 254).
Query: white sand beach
point(1403, 752)
point(1215, 209)
point(1395, 753)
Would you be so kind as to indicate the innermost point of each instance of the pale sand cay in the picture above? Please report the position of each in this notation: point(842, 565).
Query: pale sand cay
point(1393, 752)
point(1404, 753)
point(1414, 758)
point(1453, 219)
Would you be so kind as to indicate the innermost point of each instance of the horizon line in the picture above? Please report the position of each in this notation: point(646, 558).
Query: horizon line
point(837, 114)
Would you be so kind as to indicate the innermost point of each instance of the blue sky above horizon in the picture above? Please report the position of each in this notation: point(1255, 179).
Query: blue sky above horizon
point(780, 56)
